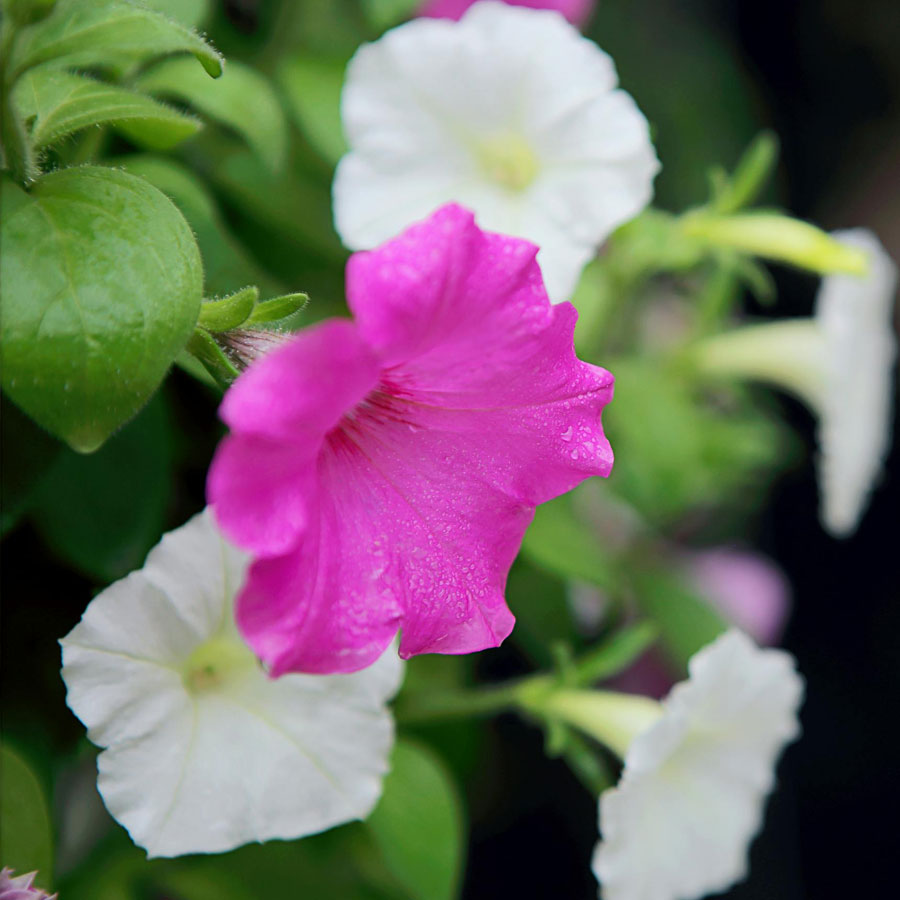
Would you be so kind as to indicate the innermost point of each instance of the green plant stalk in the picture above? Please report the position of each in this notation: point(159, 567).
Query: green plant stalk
point(18, 155)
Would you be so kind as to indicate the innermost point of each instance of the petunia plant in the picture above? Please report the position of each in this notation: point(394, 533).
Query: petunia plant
point(356, 391)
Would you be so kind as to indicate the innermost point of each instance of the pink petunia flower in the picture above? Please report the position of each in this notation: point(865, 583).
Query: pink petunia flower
point(576, 11)
point(383, 471)
point(20, 887)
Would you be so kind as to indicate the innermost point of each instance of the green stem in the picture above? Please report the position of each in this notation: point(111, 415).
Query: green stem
point(18, 156)
point(440, 705)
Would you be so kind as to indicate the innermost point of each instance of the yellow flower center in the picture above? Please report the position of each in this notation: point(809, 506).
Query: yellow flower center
point(508, 160)
point(214, 662)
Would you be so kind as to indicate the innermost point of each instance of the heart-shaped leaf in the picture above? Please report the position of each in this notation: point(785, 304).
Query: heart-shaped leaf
point(226, 262)
point(102, 282)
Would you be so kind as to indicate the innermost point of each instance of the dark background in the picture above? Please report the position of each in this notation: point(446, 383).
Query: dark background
point(826, 77)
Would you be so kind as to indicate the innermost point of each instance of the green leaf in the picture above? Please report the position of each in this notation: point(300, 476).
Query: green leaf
point(189, 12)
point(277, 308)
point(295, 208)
point(27, 453)
point(677, 453)
point(103, 512)
point(312, 88)
point(226, 261)
point(686, 623)
point(386, 13)
point(225, 313)
point(26, 836)
point(538, 600)
point(614, 654)
point(418, 824)
point(242, 99)
point(758, 280)
point(102, 281)
point(101, 32)
point(24, 12)
point(558, 541)
point(57, 103)
point(753, 171)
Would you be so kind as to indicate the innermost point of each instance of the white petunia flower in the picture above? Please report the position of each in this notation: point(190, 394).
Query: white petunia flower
point(698, 768)
point(204, 752)
point(841, 363)
point(692, 794)
point(856, 318)
point(510, 112)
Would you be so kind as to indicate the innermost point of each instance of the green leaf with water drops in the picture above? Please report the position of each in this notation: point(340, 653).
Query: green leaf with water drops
point(225, 260)
point(102, 281)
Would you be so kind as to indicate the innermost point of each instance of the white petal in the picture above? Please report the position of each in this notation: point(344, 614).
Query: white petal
point(693, 789)
point(419, 103)
point(248, 759)
point(856, 317)
point(263, 759)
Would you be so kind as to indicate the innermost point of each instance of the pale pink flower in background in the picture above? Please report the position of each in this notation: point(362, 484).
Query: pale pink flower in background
point(747, 589)
point(20, 887)
point(383, 471)
point(576, 11)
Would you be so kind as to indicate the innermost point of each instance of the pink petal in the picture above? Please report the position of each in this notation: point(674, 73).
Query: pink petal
point(418, 498)
point(259, 489)
point(299, 391)
point(279, 410)
point(576, 11)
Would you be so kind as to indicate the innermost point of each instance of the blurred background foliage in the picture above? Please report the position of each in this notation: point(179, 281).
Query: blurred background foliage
point(478, 810)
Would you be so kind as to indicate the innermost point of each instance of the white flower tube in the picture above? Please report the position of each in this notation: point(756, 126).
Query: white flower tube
point(510, 112)
point(698, 768)
point(841, 363)
point(203, 751)
point(856, 319)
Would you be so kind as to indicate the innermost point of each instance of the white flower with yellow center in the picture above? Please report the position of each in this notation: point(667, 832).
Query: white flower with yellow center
point(510, 112)
point(203, 751)
point(840, 362)
point(698, 769)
